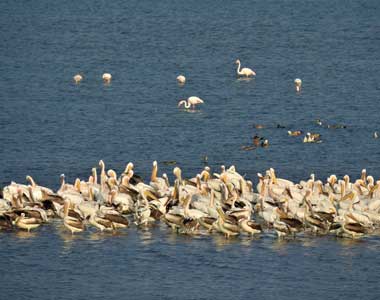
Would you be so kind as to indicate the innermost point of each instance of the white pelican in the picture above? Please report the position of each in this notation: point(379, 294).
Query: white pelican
point(247, 72)
point(191, 102)
point(78, 78)
point(181, 79)
point(298, 84)
point(107, 77)
point(27, 223)
point(71, 222)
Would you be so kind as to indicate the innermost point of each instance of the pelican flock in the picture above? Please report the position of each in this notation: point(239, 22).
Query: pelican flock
point(209, 203)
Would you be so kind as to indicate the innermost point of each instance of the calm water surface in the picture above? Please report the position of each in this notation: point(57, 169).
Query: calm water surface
point(50, 126)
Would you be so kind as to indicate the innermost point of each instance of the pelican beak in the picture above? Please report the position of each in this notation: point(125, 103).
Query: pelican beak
point(150, 195)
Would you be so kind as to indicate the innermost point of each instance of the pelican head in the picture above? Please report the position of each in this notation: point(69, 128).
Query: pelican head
point(30, 180)
point(177, 173)
point(101, 163)
point(129, 167)
point(111, 173)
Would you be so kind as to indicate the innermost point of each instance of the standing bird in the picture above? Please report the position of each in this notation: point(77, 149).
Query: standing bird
point(78, 78)
point(375, 135)
point(181, 79)
point(247, 72)
point(191, 102)
point(298, 84)
point(107, 77)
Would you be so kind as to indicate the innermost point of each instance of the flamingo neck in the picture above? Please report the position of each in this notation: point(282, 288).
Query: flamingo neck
point(187, 104)
point(238, 68)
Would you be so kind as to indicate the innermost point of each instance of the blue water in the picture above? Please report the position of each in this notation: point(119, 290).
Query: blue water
point(49, 126)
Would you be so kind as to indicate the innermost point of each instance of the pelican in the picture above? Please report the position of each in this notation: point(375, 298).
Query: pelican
point(181, 79)
point(247, 72)
point(191, 102)
point(73, 223)
point(78, 78)
point(298, 84)
point(27, 223)
point(107, 77)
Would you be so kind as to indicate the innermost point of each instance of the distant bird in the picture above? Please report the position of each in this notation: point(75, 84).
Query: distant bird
point(107, 77)
point(318, 122)
point(259, 126)
point(312, 138)
point(191, 102)
point(181, 79)
point(298, 84)
point(247, 72)
point(256, 140)
point(247, 148)
point(295, 133)
point(375, 135)
point(78, 78)
point(265, 144)
point(336, 126)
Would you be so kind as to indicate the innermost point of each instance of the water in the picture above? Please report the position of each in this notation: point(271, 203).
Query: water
point(50, 126)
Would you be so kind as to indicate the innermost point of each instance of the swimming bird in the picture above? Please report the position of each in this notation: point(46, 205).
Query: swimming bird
point(24, 222)
point(107, 77)
point(72, 221)
point(298, 84)
point(312, 138)
point(295, 133)
point(78, 78)
point(264, 144)
point(247, 72)
point(181, 79)
point(191, 102)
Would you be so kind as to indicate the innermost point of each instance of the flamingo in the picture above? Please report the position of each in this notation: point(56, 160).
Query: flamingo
point(181, 79)
point(191, 102)
point(107, 77)
point(78, 78)
point(247, 72)
point(298, 84)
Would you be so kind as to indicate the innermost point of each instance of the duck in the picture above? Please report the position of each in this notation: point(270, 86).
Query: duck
point(264, 144)
point(295, 133)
